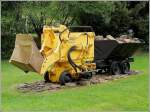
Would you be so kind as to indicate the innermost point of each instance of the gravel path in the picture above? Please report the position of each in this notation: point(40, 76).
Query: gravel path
point(40, 86)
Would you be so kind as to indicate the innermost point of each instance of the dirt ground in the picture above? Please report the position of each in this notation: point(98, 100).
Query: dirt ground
point(40, 86)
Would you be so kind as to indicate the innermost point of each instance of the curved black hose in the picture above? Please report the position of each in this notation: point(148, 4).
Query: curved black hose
point(72, 63)
point(69, 58)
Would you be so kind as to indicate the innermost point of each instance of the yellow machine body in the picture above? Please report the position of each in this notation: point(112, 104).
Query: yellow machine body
point(56, 43)
point(58, 47)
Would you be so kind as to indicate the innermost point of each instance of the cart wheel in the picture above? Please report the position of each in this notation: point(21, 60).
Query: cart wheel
point(125, 67)
point(115, 68)
point(46, 77)
point(64, 78)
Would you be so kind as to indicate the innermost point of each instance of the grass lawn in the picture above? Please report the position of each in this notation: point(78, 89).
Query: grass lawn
point(129, 94)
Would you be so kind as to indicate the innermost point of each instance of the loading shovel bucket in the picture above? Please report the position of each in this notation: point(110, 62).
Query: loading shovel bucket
point(26, 55)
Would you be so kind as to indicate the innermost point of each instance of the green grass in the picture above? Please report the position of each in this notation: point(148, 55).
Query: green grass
point(129, 94)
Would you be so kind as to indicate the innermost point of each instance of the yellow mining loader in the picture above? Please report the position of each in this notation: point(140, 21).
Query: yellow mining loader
point(65, 54)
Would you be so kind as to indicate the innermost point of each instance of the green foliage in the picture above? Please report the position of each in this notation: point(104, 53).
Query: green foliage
point(114, 18)
point(8, 42)
point(127, 17)
point(120, 20)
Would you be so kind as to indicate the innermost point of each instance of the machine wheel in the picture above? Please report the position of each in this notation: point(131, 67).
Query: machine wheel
point(46, 77)
point(64, 78)
point(115, 68)
point(125, 67)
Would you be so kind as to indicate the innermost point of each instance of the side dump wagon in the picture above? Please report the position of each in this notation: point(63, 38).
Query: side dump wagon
point(110, 55)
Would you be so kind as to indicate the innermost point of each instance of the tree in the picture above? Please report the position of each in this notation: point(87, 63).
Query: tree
point(114, 18)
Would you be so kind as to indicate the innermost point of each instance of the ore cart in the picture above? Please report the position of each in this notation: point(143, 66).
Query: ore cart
point(114, 57)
